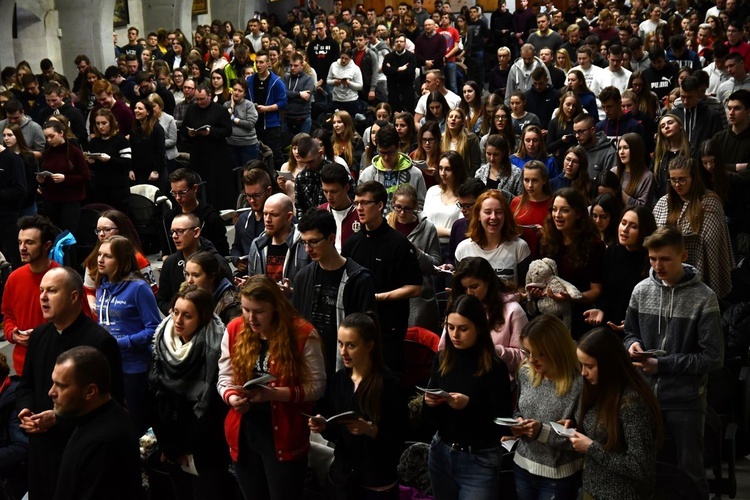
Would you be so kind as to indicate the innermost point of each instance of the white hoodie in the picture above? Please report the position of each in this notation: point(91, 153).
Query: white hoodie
point(344, 93)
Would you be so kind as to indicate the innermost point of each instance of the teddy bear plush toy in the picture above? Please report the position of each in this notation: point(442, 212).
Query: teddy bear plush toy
point(543, 274)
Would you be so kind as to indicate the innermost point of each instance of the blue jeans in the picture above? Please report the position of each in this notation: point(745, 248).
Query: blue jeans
point(240, 155)
point(450, 77)
point(686, 427)
point(291, 127)
point(463, 475)
point(479, 58)
point(532, 487)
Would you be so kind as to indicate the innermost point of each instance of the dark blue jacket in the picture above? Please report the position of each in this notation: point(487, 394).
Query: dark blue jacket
point(276, 94)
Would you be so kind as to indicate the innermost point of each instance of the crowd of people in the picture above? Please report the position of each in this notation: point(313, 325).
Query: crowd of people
point(387, 181)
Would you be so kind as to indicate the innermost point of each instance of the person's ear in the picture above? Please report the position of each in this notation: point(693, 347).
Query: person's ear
point(90, 392)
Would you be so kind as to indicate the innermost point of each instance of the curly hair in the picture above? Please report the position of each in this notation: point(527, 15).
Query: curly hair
point(583, 235)
point(282, 340)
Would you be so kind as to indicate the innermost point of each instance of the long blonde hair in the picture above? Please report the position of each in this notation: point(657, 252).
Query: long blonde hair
point(662, 143)
point(282, 339)
point(549, 338)
point(462, 146)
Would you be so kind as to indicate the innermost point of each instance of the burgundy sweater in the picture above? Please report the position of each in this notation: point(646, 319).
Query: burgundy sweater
point(68, 160)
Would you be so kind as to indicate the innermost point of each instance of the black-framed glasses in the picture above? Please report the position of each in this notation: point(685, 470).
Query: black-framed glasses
point(311, 243)
point(428, 139)
point(679, 181)
point(399, 209)
point(105, 230)
point(255, 196)
point(180, 231)
point(182, 192)
point(364, 203)
point(500, 118)
point(465, 206)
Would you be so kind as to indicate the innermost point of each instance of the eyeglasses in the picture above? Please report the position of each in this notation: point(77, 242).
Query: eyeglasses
point(464, 206)
point(105, 230)
point(311, 243)
point(364, 203)
point(571, 161)
point(679, 181)
point(399, 209)
point(428, 139)
point(529, 354)
point(580, 132)
point(387, 153)
point(179, 193)
point(255, 196)
point(501, 118)
point(181, 231)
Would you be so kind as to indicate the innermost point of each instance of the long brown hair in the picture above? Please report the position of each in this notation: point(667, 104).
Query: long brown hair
point(615, 376)
point(342, 145)
point(694, 212)
point(540, 167)
point(472, 309)
point(123, 251)
point(637, 162)
point(420, 154)
point(282, 339)
point(584, 233)
point(146, 126)
point(510, 229)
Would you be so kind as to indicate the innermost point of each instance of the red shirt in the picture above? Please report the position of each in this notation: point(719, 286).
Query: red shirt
point(452, 39)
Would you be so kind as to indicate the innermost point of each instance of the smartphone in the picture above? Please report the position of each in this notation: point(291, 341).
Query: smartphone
point(286, 175)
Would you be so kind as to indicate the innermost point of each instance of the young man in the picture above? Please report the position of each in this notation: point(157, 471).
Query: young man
point(146, 85)
point(391, 168)
point(367, 61)
point(602, 156)
point(735, 140)
point(679, 55)
point(268, 92)
point(717, 71)
point(300, 88)
point(691, 335)
point(335, 181)
point(468, 192)
point(105, 99)
point(544, 37)
point(21, 297)
point(616, 124)
point(739, 78)
point(307, 190)
point(557, 76)
point(452, 42)
point(255, 35)
point(586, 66)
point(434, 82)
point(392, 260)
point(278, 252)
point(15, 114)
point(133, 47)
point(614, 75)
point(56, 104)
point(700, 121)
point(184, 188)
point(322, 52)
point(101, 459)
point(330, 287)
point(257, 187)
point(661, 75)
point(541, 99)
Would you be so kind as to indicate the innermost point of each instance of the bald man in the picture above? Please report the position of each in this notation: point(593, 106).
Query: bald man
point(278, 251)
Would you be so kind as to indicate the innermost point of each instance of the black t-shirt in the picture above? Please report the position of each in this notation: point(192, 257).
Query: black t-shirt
point(275, 258)
point(260, 89)
point(260, 413)
point(324, 317)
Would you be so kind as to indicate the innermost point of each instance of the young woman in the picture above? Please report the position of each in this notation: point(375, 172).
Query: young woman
point(619, 425)
point(437, 110)
point(404, 218)
point(501, 125)
point(216, 59)
point(109, 159)
point(464, 454)
point(499, 172)
point(575, 172)
point(371, 147)
point(198, 72)
point(127, 309)
point(671, 142)
point(505, 316)
point(169, 126)
point(577, 85)
point(494, 235)
point(291, 166)
point(570, 238)
point(699, 214)
point(65, 189)
point(646, 102)
point(440, 201)
point(521, 118)
point(347, 143)
point(549, 390)
point(407, 132)
point(202, 270)
point(265, 428)
point(14, 140)
point(409, 27)
point(636, 179)
point(186, 410)
point(531, 208)
point(459, 138)
point(219, 89)
point(367, 447)
point(243, 143)
point(147, 143)
point(471, 105)
point(427, 155)
point(113, 223)
point(605, 212)
point(86, 97)
point(489, 106)
point(560, 135)
point(625, 265)
point(178, 79)
point(532, 147)
point(562, 60)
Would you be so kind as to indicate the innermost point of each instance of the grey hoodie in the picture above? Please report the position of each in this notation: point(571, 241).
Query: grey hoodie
point(601, 156)
point(519, 77)
point(683, 320)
